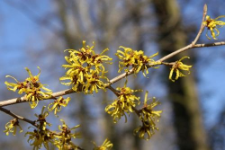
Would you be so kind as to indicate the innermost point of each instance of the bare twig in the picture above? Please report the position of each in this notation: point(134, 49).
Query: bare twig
point(209, 44)
point(136, 111)
point(193, 43)
point(113, 90)
point(17, 116)
point(202, 25)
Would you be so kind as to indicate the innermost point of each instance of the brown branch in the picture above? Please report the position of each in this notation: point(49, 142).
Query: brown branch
point(131, 71)
point(113, 90)
point(17, 116)
point(202, 25)
point(193, 43)
point(23, 99)
point(209, 44)
point(137, 111)
point(117, 78)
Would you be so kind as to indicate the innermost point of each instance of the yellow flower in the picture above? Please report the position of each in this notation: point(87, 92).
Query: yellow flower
point(106, 145)
point(42, 119)
point(85, 69)
point(76, 75)
point(98, 59)
point(83, 54)
point(93, 82)
point(64, 139)
point(213, 25)
point(124, 103)
point(12, 127)
point(145, 131)
point(148, 112)
point(58, 103)
point(135, 59)
point(37, 138)
point(31, 87)
point(41, 135)
point(148, 117)
point(177, 66)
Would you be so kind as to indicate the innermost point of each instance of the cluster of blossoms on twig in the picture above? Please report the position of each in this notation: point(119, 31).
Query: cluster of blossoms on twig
point(148, 117)
point(124, 103)
point(135, 59)
point(32, 88)
point(86, 72)
point(41, 135)
point(85, 69)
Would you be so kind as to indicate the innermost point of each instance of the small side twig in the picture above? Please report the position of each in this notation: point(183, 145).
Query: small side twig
point(136, 111)
point(113, 90)
point(202, 25)
point(17, 116)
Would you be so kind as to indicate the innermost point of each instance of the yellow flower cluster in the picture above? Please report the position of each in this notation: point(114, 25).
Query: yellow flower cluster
point(11, 126)
point(213, 25)
point(31, 87)
point(64, 139)
point(43, 136)
point(58, 103)
point(148, 117)
point(85, 69)
point(136, 59)
point(106, 145)
point(177, 66)
point(124, 103)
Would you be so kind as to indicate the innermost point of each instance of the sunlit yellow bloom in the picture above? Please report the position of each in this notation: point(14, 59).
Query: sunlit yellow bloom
point(177, 66)
point(145, 131)
point(213, 25)
point(21, 86)
point(76, 76)
point(41, 135)
point(42, 119)
point(93, 82)
point(148, 117)
point(37, 138)
point(135, 59)
point(64, 139)
point(58, 103)
point(83, 54)
point(85, 69)
point(12, 127)
point(124, 103)
point(106, 145)
point(97, 61)
point(31, 87)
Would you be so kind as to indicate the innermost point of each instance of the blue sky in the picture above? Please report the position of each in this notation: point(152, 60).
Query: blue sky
point(21, 38)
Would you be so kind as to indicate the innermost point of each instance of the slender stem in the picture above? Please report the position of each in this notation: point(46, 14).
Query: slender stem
point(168, 64)
point(113, 90)
point(17, 116)
point(136, 111)
point(202, 25)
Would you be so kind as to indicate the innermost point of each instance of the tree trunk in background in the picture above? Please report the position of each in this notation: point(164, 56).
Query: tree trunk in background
point(184, 98)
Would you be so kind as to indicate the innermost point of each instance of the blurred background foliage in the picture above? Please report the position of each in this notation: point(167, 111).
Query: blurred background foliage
point(35, 33)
